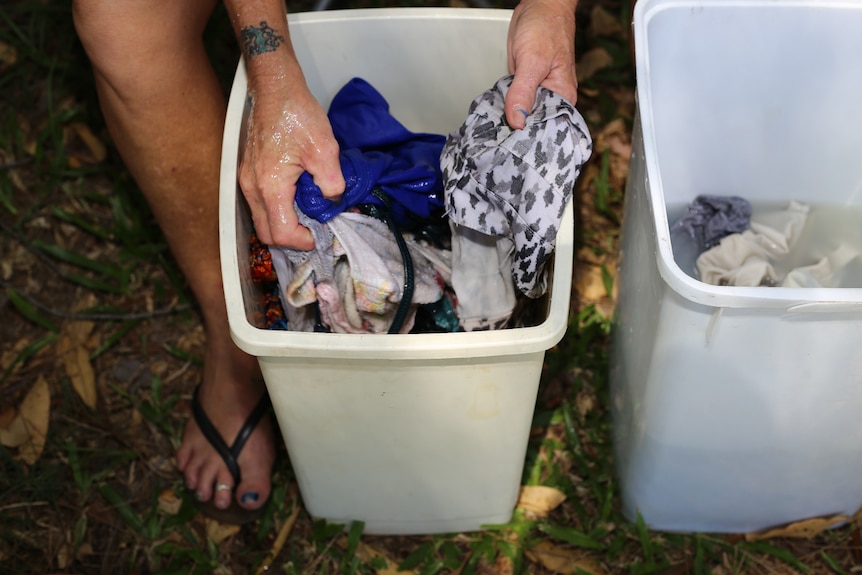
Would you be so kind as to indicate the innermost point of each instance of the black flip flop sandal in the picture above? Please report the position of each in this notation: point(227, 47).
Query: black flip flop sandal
point(235, 514)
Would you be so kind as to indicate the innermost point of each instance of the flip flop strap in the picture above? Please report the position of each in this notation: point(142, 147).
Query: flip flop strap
point(229, 454)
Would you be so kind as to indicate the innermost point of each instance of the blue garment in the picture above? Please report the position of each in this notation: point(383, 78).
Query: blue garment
point(377, 151)
point(707, 220)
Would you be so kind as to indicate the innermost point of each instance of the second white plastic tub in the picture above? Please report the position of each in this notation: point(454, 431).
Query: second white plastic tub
point(738, 408)
point(419, 433)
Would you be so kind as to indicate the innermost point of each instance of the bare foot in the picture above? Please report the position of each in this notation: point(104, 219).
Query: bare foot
point(231, 389)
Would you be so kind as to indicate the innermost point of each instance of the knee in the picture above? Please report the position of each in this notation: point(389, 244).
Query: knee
point(130, 42)
point(105, 29)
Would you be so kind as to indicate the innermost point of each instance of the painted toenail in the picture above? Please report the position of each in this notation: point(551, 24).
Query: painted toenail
point(199, 496)
point(249, 497)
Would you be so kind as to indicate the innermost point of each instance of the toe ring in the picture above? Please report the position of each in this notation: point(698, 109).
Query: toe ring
point(223, 487)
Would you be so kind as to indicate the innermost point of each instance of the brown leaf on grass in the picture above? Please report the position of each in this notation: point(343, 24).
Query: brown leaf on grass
point(503, 566)
point(218, 532)
point(169, 502)
point(615, 139)
point(7, 416)
point(805, 529)
point(563, 560)
point(603, 23)
point(368, 553)
point(590, 282)
point(14, 432)
point(540, 499)
point(591, 62)
point(27, 431)
point(75, 358)
point(65, 555)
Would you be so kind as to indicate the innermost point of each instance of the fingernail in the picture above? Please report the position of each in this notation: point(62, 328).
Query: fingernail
point(249, 497)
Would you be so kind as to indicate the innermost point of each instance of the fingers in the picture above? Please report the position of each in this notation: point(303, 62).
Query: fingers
point(273, 212)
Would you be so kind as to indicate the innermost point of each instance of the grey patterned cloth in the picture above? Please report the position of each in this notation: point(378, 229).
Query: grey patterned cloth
point(516, 183)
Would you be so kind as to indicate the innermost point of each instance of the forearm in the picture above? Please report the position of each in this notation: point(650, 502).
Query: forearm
point(262, 32)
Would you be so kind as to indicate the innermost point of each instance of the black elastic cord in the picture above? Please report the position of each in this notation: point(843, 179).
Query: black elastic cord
point(385, 214)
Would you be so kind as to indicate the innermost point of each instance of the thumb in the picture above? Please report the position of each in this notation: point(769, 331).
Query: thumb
point(325, 169)
point(520, 99)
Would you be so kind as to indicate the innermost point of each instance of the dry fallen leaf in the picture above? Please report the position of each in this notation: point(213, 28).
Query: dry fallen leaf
point(169, 502)
point(591, 62)
point(218, 532)
point(76, 361)
point(33, 414)
point(590, 283)
point(503, 565)
point(65, 555)
point(7, 416)
point(562, 560)
point(805, 529)
point(73, 350)
point(540, 499)
point(14, 433)
point(367, 553)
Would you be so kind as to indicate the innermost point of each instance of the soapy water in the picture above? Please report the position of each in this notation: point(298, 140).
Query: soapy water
point(828, 228)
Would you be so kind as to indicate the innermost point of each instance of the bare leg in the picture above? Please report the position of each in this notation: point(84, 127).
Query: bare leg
point(165, 110)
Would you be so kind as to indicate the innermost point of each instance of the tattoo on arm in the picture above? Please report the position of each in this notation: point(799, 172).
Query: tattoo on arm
point(258, 40)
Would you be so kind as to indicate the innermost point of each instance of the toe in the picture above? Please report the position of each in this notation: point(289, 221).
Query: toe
point(223, 490)
point(191, 473)
point(253, 491)
point(208, 475)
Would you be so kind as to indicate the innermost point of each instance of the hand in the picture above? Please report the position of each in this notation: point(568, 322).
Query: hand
point(288, 133)
point(541, 49)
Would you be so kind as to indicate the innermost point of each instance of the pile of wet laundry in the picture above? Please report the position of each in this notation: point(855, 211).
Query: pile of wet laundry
point(719, 241)
point(433, 233)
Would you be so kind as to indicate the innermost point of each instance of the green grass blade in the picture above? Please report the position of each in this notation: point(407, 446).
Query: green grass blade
point(29, 311)
point(29, 351)
point(570, 536)
point(779, 553)
point(644, 538)
point(123, 509)
point(115, 337)
point(70, 257)
point(833, 564)
point(420, 556)
point(95, 284)
point(81, 223)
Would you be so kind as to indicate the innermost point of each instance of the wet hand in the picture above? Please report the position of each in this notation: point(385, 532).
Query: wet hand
point(541, 48)
point(286, 136)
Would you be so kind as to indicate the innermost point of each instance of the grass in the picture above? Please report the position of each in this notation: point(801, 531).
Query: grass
point(80, 254)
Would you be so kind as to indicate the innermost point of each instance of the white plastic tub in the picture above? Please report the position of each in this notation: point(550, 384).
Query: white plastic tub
point(417, 433)
point(735, 408)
